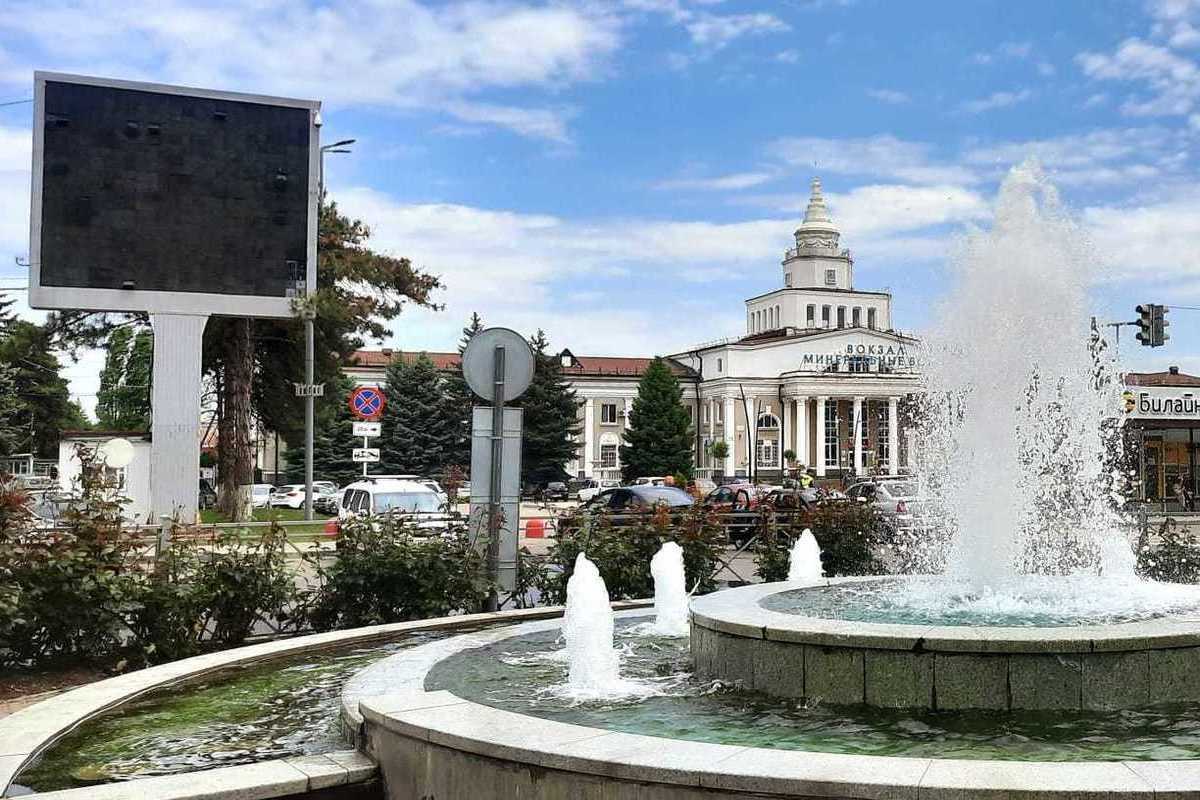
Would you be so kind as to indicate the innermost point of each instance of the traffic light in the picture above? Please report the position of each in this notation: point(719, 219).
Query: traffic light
point(1152, 323)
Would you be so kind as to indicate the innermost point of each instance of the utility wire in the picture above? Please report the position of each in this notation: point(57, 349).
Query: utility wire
point(15, 102)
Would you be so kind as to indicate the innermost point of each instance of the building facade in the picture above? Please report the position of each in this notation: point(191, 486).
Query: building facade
point(819, 374)
point(1162, 425)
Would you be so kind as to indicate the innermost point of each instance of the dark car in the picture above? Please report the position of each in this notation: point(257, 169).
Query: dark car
point(792, 499)
point(632, 499)
point(732, 497)
point(555, 490)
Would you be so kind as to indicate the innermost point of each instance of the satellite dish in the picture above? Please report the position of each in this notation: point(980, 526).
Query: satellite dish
point(117, 453)
point(479, 363)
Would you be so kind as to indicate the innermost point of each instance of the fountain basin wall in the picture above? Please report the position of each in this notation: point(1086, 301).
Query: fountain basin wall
point(1092, 667)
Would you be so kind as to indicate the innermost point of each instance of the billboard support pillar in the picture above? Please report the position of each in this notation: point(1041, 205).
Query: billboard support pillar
point(175, 415)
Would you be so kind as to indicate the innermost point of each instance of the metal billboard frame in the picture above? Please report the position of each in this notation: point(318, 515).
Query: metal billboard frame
point(158, 301)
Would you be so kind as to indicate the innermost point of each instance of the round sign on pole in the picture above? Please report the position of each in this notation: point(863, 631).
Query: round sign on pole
point(367, 402)
point(479, 363)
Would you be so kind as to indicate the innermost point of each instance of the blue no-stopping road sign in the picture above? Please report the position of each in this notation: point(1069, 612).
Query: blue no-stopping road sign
point(367, 402)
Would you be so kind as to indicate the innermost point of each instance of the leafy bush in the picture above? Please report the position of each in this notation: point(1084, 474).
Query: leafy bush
point(849, 536)
point(384, 572)
point(1175, 558)
point(241, 581)
point(622, 552)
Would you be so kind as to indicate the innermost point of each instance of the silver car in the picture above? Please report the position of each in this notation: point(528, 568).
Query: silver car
point(894, 499)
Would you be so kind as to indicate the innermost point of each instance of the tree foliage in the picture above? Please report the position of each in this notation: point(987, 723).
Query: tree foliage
point(43, 408)
point(462, 400)
point(123, 400)
point(418, 424)
point(658, 440)
point(550, 422)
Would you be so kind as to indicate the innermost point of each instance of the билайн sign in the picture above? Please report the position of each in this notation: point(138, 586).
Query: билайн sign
point(1161, 402)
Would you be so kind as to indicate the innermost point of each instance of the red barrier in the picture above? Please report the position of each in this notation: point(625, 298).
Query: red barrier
point(535, 528)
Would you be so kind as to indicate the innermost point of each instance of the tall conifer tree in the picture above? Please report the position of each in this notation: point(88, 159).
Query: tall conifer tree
point(551, 421)
point(417, 438)
point(333, 439)
point(659, 438)
point(460, 399)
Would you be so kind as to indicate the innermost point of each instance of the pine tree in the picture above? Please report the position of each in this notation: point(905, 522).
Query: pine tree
point(460, 400)
point(550, 419)
point(45, 401)
point(659, 438)
point(417, 436)
point(108, 395)
point(333, 439)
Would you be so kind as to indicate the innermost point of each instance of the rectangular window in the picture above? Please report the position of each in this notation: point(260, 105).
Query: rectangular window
point(841, 316)
point(810, 316)
point(856, 317)
point(719, 365)
point(720, 409)
point(608, 456)
point(831, 432)
point(871, 318)
point(608, 413)
point(787, 280)
point(825, 312)
point(831, 277)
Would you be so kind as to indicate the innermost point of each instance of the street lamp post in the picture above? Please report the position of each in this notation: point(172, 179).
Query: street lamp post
point(309, 346)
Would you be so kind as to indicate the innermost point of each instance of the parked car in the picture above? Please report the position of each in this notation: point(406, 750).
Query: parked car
point(895, 500)
point(702, 486)
point(733, 497)
point(288, 496)
point(657, 480)
point(260, 495)
point(631, 499)
point(595, 487)
point(555, 490)
point(379, 496)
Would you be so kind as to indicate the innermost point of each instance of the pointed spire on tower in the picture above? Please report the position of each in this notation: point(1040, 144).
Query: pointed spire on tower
point(817, 229)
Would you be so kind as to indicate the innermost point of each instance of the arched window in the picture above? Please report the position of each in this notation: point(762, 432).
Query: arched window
point(768, 421)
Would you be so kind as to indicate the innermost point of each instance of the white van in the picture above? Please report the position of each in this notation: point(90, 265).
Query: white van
point(374, 496)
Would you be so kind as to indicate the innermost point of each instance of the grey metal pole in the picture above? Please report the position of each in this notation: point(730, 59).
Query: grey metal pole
point(494, 506)
point(308, 417)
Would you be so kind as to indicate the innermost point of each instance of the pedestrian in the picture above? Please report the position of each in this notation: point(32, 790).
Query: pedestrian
point(806, 479)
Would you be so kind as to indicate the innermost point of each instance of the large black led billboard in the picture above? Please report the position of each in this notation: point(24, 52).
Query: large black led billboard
point(167, 199)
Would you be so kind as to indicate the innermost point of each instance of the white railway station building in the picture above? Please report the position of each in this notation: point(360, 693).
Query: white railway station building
point(819, 371)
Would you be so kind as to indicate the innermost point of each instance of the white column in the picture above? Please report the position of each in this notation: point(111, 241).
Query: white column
point(779, 444)
point(802, 431)
point(856, 430)
point(175, 421)
point(712, 413)
point(821, 433)
point(893, 436)
point(589, 420)
point(727, 433)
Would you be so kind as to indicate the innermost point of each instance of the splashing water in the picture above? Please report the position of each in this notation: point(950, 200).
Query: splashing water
point(594, 668)
point(670, 592)
point(804, 561)
point(1016, 457)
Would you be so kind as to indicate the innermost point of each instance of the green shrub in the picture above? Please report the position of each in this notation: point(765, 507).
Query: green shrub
point(849, 535)
point(243, 580)
point(622, 552)
point(385, 573)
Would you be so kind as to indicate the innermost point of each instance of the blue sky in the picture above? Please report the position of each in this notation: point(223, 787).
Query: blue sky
point(624, 174)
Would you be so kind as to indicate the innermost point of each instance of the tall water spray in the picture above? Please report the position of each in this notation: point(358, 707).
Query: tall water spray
point(593, 664)
point(804, 560)
point(1015, 457)
point(670, 591)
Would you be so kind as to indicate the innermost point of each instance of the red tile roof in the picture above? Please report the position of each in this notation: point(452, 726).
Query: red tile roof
point(1161, 379)
point(584, 365)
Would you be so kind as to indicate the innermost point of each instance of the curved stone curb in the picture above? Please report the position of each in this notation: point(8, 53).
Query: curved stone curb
point(267, 779)
point(27, 732)
point(436, 743)
point(943, 667)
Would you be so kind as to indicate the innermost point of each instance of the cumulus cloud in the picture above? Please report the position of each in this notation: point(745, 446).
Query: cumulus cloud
point(406, 55)
point(889, 96)
point(734, 181)
point(1149, 241)
point(1112, 156)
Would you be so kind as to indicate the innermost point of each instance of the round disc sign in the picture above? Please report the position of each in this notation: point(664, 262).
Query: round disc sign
point(367, 402)
point(480, 358)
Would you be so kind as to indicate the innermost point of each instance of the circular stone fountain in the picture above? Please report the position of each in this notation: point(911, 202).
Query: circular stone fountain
point(794, 640)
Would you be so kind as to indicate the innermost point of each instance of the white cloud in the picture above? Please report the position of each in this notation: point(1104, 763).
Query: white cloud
point(715, 31)
point(996, 100)
point(1173, 80)
point(1013, 50)
point(882, 156)
point(889, 96)
point(1117, 156)
point(406, 55)
point(788, 56)
point(737, 180)
point(1151, 242)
